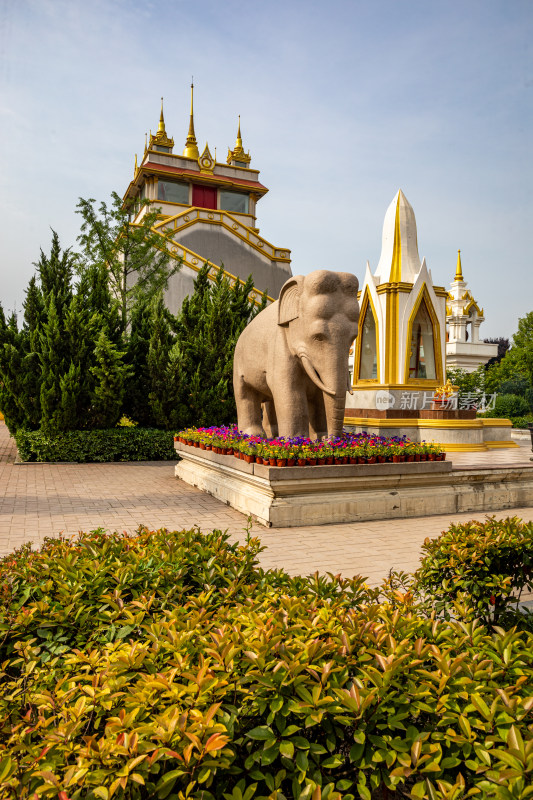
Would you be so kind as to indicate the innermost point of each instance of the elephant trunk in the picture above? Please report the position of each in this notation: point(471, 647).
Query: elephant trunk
point(334, 407)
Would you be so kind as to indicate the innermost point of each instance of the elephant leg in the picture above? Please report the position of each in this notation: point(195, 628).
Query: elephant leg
point(270, 422)
point(249, 416)
point(318, 423)
point(292, 414)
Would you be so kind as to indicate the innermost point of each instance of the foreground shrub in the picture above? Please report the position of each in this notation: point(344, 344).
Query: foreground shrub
point(169, 665)
point(489, 563)
point(114, 444)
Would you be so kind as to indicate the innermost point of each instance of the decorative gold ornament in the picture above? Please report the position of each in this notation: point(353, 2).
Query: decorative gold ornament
point(238, 154)
point(444, 392)
point(206, 161)
point(161, 139)
point(459, 268)
point(191, 145)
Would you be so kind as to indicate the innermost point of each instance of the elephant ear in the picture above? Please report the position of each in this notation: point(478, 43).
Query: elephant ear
point(289, 300)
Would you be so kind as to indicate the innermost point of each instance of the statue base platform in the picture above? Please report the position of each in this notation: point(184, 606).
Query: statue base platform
point(457, 431)
point(287, 497)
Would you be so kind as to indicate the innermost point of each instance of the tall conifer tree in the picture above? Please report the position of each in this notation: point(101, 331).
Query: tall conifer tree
point(54, 364)
point(162, 394)
point(138, 386)
point(109, 373)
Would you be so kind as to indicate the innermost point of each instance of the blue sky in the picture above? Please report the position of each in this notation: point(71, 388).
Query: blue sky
point(341, 104)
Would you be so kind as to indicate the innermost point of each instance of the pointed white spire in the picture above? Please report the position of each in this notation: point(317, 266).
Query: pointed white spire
point(399, 260)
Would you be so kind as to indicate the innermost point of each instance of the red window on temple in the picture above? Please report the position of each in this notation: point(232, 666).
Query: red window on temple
point(204, 196)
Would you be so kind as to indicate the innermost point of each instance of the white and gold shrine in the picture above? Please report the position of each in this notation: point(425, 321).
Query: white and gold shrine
point(464, 348)
point(402, 333)
point(399, 357)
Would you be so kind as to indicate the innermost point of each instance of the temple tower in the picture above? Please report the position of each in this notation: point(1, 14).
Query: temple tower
point(208, 211)
point(399, 355)
point(464, 348)
point(401, 342)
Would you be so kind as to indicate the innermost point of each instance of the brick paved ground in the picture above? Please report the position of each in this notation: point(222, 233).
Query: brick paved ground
point(40, 500)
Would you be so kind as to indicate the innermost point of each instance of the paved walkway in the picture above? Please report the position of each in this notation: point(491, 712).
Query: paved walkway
point(40, 500)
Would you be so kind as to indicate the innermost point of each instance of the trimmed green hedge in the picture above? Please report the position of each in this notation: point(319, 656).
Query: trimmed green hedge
point(169, 665)
point(490, 563)
point(114, 444)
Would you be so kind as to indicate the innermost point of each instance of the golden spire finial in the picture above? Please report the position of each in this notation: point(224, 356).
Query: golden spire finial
point(161, 126)
point(191, 145)
point(238, 154)
point(459, 269)
point(160, 140)
point(135, 167)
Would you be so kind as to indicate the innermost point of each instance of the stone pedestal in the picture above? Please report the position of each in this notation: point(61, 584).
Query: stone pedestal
point(292, 496)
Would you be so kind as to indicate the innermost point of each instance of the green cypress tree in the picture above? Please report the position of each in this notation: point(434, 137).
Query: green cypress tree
point(29, 348)
point(94, 291)
point(11, 375)
point(207, 329)
point(45, 368)
point(54, 364)
point(110, 374)
point(136, 404)
point(72, 416)
point(55, 274)
point(34, 312)
point(161, 394)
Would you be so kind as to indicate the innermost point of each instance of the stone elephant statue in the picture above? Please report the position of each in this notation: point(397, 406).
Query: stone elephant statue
point(290, 372)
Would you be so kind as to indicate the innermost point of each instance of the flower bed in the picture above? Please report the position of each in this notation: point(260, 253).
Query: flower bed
point(351, 448)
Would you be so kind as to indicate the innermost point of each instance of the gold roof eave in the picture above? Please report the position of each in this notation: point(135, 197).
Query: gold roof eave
point(211, 179)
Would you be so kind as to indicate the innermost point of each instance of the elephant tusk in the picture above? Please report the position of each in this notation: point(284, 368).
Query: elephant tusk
point(350, 390)
point(313, 374)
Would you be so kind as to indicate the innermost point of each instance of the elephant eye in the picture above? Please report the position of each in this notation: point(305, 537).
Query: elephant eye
point(319, 337)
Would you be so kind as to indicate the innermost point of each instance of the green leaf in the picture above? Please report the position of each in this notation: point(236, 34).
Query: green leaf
point(286, 748)
point(332, 762)
point(166, 783)
point(419, 790)
point(301, 742)
point(262, 732)
point(268, 756)
point(514, 740)
point(124, 631)
point(356, 751)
